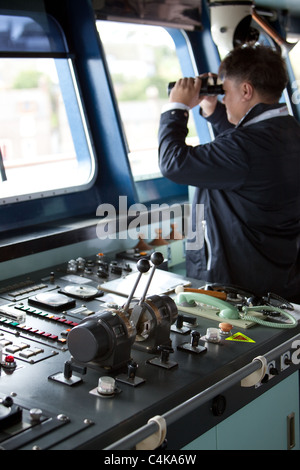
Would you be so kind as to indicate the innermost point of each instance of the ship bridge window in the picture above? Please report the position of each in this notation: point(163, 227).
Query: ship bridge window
point(142, 60)
point(45, 148)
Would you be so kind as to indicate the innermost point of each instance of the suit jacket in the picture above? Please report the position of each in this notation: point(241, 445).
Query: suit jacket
point(247, 197)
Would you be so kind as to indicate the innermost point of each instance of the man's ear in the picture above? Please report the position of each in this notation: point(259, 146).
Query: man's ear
point(247, 91)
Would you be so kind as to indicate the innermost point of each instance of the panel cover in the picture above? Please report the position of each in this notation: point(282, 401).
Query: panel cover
point(185, 14)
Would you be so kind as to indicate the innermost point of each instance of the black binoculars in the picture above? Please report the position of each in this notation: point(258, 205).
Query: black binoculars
point(206, 87)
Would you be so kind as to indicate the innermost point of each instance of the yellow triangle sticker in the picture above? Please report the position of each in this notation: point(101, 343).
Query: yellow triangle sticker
point(240, 337)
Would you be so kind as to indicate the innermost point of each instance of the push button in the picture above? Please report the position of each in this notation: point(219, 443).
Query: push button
point(12, 349)
point(26, 354)
point(5, 342)
point(9, 363)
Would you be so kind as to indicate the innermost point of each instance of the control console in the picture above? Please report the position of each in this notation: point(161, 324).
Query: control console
point(89, 351)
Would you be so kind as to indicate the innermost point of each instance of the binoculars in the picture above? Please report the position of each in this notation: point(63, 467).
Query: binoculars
point(206, 87)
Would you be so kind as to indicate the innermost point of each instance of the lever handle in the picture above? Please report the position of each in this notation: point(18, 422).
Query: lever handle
point(143, 266)
point(157, 259)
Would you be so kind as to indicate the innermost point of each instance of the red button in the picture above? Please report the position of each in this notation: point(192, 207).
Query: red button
point(9, 359)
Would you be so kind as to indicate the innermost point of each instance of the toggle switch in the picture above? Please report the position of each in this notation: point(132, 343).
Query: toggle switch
point(193, 346)
point(131, 378)
point(163, 360)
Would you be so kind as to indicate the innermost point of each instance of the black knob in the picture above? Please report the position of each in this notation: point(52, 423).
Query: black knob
point(7, 402)
point(165, 352)
point(273, 371)
point(195, 338)
point(179, 321)
point(157, 258)
point(143, 265)
point(132, 368)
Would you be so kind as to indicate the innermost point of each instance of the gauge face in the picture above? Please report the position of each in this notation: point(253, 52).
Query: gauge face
point(52, 300)
point(83, 292)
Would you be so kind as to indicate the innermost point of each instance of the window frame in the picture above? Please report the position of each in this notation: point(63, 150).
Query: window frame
point(159, 188)
point(114, 176)
point(67, 82)
point(50, 212)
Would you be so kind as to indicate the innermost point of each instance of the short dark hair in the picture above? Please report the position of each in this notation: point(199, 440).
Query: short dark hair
point(260, 65)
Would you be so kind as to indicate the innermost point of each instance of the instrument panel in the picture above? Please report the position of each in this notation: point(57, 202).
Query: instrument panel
point(87, 357)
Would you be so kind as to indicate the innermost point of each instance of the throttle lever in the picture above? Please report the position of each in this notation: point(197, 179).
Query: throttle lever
point(157, 259)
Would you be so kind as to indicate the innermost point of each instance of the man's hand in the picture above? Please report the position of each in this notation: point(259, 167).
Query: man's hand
point(186, 91)
point(208, 103)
